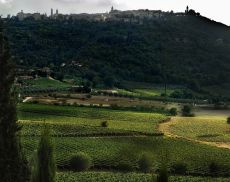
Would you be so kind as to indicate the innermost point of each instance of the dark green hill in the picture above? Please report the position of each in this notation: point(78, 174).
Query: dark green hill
point(184, 49)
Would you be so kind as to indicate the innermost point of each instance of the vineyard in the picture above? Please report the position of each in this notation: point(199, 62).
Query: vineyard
point(128, 135)
point(210, 129)
point(127, 177)
point(110, 153)
point(88, 120)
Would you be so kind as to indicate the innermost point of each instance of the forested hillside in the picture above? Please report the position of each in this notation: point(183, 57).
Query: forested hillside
point(183, 49)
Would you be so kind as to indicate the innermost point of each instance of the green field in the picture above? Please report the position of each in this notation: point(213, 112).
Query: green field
point(88, 119)
point(140, 89)
point(145, 92)
point(152, 92)
point(42, 83)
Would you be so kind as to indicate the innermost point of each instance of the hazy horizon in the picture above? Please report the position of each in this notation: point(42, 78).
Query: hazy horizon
point(214, 10)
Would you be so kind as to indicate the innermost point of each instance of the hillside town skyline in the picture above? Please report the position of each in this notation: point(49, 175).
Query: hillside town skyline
point(128, 16)
point(216, 11)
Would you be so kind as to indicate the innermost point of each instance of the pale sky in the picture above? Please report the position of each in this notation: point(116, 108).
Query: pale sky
point(218, 10)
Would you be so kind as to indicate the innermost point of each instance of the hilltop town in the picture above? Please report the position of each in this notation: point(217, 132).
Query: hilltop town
point(135, 16)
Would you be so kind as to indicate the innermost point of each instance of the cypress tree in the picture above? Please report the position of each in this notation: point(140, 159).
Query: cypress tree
point(13, 166)
point(46, 166)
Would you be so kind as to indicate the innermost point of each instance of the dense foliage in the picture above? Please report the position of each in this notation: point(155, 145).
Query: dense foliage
point(182, 49)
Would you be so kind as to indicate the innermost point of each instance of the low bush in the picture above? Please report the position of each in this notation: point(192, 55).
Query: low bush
point(173, 111)
point(125, 166)
point(187, 111)
point(88, 96)
point(163, 174)
point(214, 169)
point(179, 168)
point(80, 162)
point(228, 120)
point(114, 106)
point(104, 124)
point(34, 102)
point(145, 163)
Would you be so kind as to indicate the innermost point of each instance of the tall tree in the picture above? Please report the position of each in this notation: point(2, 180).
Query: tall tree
point(45, 165)
point(13, 167)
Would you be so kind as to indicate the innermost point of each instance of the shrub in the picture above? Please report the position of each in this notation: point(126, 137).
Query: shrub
point(114, 106)
point(126, 159)
point(88, 96)
point(179, 168)
point(163, 174)
point(187, 111)
point(80, 162)
point(34, 102)
point(173, 111)
point(163, 95)
point(125, 166)
point(214, 169)
point(104, 124)
point(145, 163)
point(228, 120)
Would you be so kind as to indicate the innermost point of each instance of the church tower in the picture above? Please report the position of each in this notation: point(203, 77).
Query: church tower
point(112, 9)
point(52, 12)
point(187, 10)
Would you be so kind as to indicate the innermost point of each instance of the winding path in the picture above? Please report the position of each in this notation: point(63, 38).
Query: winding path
point(27, 99)
point(165, 128)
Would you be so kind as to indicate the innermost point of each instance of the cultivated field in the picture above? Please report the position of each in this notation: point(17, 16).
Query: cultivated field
point(44, 83)
point(128, 177)
point(113, 152)
point(89, 119)
point(209, 126)
point(128, 135)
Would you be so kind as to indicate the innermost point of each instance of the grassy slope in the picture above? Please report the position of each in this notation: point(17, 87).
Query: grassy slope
point(146, 89)
point(42, 83)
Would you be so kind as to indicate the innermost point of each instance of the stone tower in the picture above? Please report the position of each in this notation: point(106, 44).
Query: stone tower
point(52, 12)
